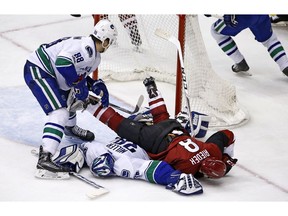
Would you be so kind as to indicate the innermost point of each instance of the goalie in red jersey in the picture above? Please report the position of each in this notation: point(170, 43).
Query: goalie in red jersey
point(166, 139)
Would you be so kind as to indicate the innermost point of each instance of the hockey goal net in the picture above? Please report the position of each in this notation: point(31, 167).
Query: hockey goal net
point(139, 53)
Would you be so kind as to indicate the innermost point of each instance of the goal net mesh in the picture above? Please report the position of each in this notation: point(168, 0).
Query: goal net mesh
point(139, 53)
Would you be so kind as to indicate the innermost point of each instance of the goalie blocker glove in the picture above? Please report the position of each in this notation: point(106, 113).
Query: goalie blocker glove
point(200, 123)
point(184, 184)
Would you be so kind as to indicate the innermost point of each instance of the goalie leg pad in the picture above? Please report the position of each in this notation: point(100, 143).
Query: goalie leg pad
point(71, 157)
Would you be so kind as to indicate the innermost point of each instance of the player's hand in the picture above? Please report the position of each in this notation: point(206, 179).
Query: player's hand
point(99, 88)
point(185, 184)
point(229, 161)
point(81, 90)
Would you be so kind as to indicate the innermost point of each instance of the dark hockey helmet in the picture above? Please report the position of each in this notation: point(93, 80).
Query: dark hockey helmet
point(213, 168)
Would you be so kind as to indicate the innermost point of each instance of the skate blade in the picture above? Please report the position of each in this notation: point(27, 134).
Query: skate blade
point(45, 174)
point(243, 73)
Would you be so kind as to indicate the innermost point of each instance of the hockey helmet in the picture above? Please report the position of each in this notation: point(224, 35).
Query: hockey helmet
point(213, 168)
point(103, 30)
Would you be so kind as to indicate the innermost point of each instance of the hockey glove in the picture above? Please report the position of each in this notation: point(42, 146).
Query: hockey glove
point(184, 184)
point(200, 123)
point(99, 88)
point(81, 90)
point(230, 20)
point(102, 166)
point(229, 161)
point(71, 157)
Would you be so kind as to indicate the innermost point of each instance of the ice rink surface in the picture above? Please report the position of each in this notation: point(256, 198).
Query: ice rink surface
point(259, 179)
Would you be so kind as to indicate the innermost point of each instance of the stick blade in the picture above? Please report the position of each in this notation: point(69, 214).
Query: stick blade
point(97, 192)
point(167, 36)
point(140, 102)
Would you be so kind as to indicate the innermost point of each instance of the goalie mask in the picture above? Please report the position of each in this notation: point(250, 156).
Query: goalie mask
point(213, 168)
point(103, 30)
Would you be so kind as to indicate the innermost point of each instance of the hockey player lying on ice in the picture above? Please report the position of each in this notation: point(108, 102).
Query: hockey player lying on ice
point(167, 143)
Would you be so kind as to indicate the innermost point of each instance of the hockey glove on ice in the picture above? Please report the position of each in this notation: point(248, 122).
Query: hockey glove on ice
point(184, 184)
point(230, 20)
point(81, 90)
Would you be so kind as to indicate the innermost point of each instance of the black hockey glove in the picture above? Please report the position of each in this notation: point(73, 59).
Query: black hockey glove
point(229, 161)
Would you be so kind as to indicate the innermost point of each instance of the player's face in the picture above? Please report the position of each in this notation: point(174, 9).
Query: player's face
point(105, 45)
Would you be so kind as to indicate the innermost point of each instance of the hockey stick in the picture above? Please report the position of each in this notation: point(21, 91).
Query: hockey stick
point(100, 190)
point(136, 109)
point(165, 35)
point(92, 194)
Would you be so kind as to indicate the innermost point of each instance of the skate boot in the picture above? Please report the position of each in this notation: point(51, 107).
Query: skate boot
point(47, 169)
point(45, 162)
point(77, 132)
point(241, 66)
point(285, 71)
point(151, 87)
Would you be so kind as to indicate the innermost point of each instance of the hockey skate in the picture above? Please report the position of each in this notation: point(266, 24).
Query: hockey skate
point(47, 169)
point(285, 71)
point(241, 67)
point(279, 20)
point(151, 87)
point(79, 133)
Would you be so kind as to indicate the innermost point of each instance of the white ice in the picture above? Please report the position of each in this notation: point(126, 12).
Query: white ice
point(261, 144)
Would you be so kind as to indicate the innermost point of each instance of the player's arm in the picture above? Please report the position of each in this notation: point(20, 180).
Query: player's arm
point(157, 172)
point(65, 65)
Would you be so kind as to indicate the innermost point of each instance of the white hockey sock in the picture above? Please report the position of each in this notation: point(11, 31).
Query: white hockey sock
point(228, 45)
point(276, 51)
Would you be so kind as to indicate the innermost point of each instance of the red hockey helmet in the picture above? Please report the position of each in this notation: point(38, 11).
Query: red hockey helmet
point(213, 168)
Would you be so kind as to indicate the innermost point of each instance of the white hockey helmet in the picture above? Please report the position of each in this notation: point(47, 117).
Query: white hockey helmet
point(103, 30)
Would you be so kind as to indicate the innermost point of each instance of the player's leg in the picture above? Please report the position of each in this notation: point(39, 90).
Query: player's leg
point(45, 89)
point(223, 35)
point(157, 104)
point(263, 33)
point(72, 130)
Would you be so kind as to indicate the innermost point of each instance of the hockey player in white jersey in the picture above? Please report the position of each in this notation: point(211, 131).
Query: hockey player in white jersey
point(59, 69)
point(125, 159)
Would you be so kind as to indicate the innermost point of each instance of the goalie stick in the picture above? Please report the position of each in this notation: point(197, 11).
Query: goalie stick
point(99, 190)
point(165, 35)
